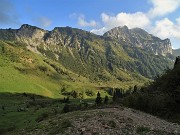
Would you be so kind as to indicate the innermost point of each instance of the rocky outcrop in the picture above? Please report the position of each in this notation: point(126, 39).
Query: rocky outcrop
point(108, 121)
point(82, 51)
point(66, 36)
point(140, 38)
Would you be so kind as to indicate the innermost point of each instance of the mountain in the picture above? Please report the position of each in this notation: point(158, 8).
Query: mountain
point(176, 52)
point(70, 58)
point(140, 38)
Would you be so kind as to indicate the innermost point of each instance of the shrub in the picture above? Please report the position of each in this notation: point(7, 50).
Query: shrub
point(142, 129)
point(66, 108)
point(42, 116)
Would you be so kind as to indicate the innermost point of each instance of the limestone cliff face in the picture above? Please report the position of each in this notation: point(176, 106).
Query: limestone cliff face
point(86, 53)
point(140, 38)
point(66, 36)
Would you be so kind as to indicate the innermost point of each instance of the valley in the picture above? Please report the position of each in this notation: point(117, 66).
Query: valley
point(52, 78)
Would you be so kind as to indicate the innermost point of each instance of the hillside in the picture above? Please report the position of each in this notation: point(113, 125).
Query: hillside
point(176, 52)
point(96, 60)
point(140, 38)
point(24, 71)
point(69, 62)
point(161, 97)
point(30, 114)
point(105, 121)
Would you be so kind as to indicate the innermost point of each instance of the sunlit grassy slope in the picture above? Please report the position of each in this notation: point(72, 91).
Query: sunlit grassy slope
point(24, 71)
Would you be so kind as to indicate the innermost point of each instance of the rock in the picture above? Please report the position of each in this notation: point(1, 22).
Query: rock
point(83, 129)
point(140, 38)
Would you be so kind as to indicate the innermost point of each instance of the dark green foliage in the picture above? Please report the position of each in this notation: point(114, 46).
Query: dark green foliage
point(41, 117)
point(4, 130)
point(118, 94)
point(66, 108)
point(135, 89)
point(161, 97)
point(43, 68)
point(3, 49)
point(66, 100)
point(98, 99)
point(3, 107)
point(142, 130)
point(89, 93)
point(177, 61)
point(106, 99)
point(74, 94)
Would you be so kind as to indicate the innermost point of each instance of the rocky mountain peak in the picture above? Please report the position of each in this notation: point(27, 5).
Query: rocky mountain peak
point(140, 38)
point(30, 27)
point(27, 31)
point(25, 26)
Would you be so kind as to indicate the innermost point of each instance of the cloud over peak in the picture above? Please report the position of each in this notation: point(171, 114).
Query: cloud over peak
point(165, 28)
point(83, 23)
point(137, 19)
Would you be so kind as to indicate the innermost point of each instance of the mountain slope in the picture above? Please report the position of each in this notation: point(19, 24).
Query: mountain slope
point(75, 58)
point(140, 38)
point(105, 121)
point(23, 71)
point(176, 52)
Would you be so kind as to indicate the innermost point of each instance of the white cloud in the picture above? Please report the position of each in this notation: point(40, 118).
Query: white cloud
point(138, 19)
point(44, 21)
point(178, 20)
point(163, 7)
point(83, 23)
point(100, 31)
point(165, 28)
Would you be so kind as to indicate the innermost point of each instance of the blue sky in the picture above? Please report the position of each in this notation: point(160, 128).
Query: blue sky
point(159, 17)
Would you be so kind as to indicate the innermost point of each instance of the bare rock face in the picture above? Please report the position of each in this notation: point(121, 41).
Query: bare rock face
point(73, 38)
point(31, 35)
point(140, 38)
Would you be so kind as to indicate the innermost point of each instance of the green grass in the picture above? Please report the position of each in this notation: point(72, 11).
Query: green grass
point(25, 111)
point(19, 75)
point(23, 71)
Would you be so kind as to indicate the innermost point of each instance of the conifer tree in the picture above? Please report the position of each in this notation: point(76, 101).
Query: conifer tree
point(98, 99)
point(106, 99)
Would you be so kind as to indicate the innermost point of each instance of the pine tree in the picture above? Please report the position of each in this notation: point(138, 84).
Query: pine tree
point(74, 94)
point(106, 99)
point(98, 99)
point(66, 108)
point(3, 49)
point(114, 96)
point(135, 89)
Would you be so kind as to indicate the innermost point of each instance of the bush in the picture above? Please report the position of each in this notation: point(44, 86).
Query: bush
point(42, 116)
point(89, 93)
point(66, 108)
point(140, 130)
point(43, 68)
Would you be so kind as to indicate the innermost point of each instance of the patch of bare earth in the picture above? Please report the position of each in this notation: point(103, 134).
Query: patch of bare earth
point(108, 121)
